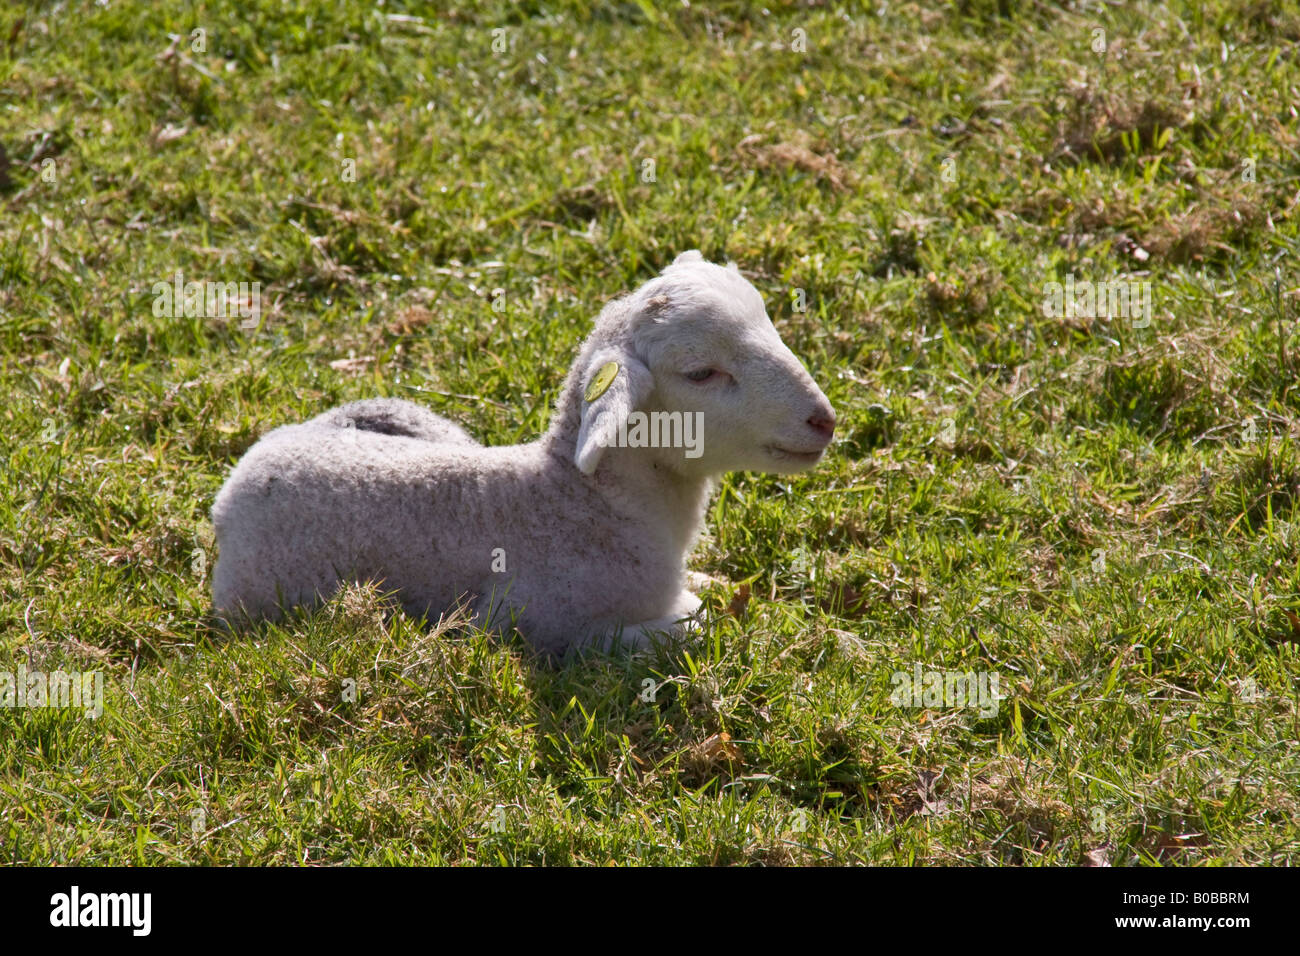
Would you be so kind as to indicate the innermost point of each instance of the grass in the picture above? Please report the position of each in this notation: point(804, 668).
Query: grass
point(1099, 512)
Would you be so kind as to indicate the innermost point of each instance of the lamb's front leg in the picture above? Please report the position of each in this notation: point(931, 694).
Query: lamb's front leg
point(682, 621)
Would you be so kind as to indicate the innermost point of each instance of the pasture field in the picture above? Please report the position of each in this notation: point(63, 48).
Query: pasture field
point(1085, 503)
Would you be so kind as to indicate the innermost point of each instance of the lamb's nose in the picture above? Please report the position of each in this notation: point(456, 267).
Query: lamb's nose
point(823, 422)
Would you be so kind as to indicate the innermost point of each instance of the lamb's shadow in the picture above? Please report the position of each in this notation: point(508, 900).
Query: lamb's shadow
point(611, 705)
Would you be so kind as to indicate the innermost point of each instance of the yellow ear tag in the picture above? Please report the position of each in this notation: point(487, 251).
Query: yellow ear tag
point(603, 380)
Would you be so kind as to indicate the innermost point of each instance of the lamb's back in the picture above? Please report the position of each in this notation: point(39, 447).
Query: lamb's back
point(309, 506)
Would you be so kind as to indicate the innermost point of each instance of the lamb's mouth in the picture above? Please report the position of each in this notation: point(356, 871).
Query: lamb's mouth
point(807, 457)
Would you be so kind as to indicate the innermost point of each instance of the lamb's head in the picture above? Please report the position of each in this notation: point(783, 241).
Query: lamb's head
point(692, 361)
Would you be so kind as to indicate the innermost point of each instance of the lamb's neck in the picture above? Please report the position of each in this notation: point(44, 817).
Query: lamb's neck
point(670, 505)
point(639, 483)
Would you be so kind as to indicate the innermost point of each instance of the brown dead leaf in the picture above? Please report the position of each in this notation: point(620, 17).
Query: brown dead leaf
point(720, 745)
point(1170, 846)
point(1295, 622)
point(739, 601)
point(714, 750)
point(1099, 856)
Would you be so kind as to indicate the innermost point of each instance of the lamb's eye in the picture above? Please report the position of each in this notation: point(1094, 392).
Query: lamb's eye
point(702, 375)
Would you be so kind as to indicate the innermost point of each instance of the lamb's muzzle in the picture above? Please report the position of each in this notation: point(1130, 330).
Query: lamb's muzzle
point(578, 536)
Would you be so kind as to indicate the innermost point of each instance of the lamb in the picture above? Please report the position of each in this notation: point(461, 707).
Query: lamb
point(577, 538)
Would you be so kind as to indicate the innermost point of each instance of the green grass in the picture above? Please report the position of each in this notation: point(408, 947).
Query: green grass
point(1075, 504)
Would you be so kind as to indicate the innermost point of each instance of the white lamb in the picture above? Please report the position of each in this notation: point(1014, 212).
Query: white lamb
point(578, 537)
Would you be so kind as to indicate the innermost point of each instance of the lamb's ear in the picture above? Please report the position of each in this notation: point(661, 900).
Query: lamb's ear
point(690, 255)
point(615, 384)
